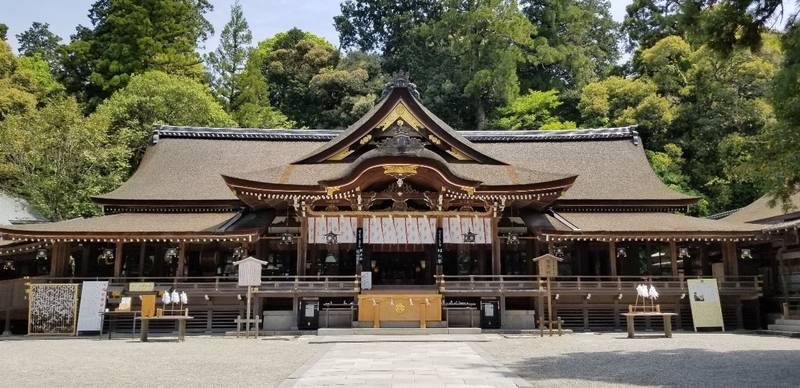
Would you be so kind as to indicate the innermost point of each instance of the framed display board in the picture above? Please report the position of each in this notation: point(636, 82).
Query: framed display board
point(705, 304)
point(52, 309)
point(93, 302)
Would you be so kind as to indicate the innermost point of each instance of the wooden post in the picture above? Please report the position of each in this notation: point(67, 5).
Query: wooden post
point(85, 259)
point(495, 246)
point(118, 260)
point(181, 260)
point(612, 258)
point(673, 256)
point(142, 252)
point(302, 244)
point(729, 258)
point(58, 259)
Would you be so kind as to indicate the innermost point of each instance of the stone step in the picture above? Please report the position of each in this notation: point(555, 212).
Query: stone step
point(791, 334)
point(788, 328)
point(399, 331)
point(789, 322)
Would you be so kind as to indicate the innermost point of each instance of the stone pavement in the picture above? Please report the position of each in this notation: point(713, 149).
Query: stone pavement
point(404, 361)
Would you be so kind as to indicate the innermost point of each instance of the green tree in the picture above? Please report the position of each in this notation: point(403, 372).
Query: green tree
point(24, 82)
point(38, 40)
point(3, 31)
point(575, 44)
point(159, 98)
point(132, 36)
point(648, 21)
point(535, 110)
point(349, 91)
point(469, 67)
point(57, 159)
point(290, 61)
point(387, 27)
point(668, 165)
point(227, 62)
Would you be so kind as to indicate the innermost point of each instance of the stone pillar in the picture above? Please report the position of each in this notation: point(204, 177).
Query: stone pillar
point(118, 259)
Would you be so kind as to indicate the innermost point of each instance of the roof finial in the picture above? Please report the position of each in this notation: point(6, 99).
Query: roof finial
point(400, 80)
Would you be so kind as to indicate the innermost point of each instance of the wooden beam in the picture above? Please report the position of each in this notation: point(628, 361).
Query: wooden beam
point(181, 259)
point(673, 256)
point(612, 258)
point(495, 246)
point(118, 260)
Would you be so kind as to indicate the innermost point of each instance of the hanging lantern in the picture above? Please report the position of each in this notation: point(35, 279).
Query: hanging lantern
point(239, 253)
point(287, 239)
point(469, 237)
point(683, 253)
point(171, 254)
point(331, 238)
point(330, 259)
point(747, 254)
point(107, 257)
point(621, 254)
point(41, 254)
point(512, 239)
point(8, 265)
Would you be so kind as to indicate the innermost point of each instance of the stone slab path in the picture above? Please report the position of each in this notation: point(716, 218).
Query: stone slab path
point(377, 361)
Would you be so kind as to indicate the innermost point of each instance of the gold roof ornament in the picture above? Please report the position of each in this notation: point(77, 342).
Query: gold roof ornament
point(400, 170)
point(331, 190)
point(400, 115)
point(341, 154)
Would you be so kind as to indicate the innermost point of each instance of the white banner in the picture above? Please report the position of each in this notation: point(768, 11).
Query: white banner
point(93, 302)
point(399, 230)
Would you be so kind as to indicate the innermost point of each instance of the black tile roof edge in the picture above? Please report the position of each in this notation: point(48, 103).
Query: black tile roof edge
point(168, 131)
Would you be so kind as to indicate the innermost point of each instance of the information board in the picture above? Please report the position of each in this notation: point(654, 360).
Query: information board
point(704, 300)
point(93, 302)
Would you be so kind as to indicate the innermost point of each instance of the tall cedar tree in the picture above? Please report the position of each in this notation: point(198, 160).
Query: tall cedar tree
point(38, 40)
point(130, 37)
point(227, 62)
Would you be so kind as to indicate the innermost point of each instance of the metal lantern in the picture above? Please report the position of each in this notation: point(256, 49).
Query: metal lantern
point(8, 265)
point(512, 239)
point(239, 253)
point(469, 237)
point(559, 252)
point(171, 254)
point(621, 254)
point(41, 254)
point(683, 253)
point(331, 238)
point(107, 257)
point(287, 239)
point(747, 254)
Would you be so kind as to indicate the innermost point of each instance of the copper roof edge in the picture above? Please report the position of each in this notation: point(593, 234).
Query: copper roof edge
point(486, 136)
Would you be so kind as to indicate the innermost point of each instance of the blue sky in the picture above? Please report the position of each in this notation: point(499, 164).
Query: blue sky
point(266, 17)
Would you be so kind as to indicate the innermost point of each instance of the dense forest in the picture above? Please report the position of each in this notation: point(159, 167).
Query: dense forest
point(712, 85)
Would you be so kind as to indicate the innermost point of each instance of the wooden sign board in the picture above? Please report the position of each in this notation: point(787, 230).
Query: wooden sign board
point(250, 271)
point(548, 265)
point(705, 304)
point(141, 287)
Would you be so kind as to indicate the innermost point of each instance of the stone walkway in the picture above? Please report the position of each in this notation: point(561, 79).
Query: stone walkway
point(403, 362)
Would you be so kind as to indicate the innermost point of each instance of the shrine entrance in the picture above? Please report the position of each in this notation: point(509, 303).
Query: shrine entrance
point(402, 269)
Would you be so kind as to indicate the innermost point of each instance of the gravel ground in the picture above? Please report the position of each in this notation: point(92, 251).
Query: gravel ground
point(595, 360)
point(199, 361)
point(611, 359)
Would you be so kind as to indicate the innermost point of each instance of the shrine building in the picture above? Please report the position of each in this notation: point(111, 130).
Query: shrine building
point(401, 220)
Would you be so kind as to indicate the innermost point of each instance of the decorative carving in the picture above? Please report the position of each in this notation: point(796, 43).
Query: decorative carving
point(469, 190)
point(434, 139)
point(331, 190)
point(365, 139)
point(401, 80)
point(400, 140)
point(400, 170)
point(458, 154)
point(400, 112)
point(341, 154)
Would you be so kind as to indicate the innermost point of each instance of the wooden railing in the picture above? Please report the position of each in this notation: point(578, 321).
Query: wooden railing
point(226, 284)
point(666, 285)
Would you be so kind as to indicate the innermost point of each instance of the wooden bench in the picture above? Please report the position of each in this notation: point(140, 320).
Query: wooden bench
point(667, 317)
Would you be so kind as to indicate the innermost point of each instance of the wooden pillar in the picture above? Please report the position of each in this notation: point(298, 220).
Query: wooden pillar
point(673, 256)
point(302, 245)
point(729, 258)
point(496, 246)
point(58, 259)
point(85, 259)
point(142, 252)
point(612, 258)
point(118, 260)
point(181, 259)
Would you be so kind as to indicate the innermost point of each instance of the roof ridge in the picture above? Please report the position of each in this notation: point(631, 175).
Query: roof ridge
point(174, 131)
